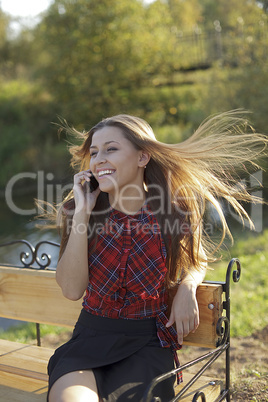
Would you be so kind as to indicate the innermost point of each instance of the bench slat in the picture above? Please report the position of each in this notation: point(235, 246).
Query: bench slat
point(24, 373)
point(26, 360)
point(16, 388)
point(211, 388)
point(32, 295)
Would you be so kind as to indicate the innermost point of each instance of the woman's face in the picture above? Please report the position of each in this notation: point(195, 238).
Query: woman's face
point(116, 163)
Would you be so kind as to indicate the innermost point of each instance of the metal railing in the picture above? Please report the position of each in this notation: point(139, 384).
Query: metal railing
point(33, 255)
point(223, 331)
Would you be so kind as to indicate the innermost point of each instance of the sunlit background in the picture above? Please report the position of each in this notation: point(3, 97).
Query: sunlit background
point(24, 8)
point(171, 62)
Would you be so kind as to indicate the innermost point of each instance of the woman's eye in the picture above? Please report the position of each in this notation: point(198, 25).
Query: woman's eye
point(110, 149)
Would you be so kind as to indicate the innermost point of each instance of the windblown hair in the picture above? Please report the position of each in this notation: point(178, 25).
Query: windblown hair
point(200, 170)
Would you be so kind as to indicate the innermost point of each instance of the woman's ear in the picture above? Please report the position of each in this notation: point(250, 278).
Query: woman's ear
point(143, 159)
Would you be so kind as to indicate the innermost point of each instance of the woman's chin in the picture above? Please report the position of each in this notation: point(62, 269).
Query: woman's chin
point(107, 188)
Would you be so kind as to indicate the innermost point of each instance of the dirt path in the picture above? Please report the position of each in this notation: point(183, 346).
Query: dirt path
point(249, 364)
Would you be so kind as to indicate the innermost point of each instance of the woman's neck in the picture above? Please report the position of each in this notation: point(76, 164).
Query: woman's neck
point(127, 205)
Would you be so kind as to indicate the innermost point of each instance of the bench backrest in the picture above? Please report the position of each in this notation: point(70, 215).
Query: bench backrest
point(34, 296)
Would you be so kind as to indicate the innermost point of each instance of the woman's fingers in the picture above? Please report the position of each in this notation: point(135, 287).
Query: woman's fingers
point(196, 323)
point(180, 333)
point(183, 329)
point(84, 175)
point(85, 200)
point(185, 323)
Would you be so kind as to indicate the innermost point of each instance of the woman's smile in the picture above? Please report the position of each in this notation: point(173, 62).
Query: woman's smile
point(104, 172)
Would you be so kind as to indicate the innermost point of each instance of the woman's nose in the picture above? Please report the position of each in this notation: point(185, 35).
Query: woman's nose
point(99, 159)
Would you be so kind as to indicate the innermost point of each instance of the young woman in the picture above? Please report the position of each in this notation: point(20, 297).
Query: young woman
point(132, 238)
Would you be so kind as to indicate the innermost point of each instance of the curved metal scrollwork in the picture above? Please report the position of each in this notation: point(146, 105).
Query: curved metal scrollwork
point(29, 257)
point(236, 274)
point(222, 332)
point(44, 256)
point(199, 394)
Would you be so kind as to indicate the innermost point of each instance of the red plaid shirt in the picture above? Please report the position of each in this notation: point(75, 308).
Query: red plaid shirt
point(127, 272)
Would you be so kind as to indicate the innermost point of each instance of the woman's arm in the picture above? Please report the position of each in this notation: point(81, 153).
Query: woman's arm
point(72, 269)
point(184, 309)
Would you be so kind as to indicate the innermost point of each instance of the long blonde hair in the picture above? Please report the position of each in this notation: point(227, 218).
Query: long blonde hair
point(200, 170)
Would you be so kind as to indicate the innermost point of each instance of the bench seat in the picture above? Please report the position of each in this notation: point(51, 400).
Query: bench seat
point(23, 375)
point(33, 295)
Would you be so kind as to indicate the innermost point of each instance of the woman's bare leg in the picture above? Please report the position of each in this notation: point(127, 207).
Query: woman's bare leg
point(77, 386)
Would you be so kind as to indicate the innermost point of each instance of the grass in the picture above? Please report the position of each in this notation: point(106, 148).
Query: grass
point(248, 297)
point(26, 333)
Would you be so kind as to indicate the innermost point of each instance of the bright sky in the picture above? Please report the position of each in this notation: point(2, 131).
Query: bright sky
point(27, 8)
point(24, 8)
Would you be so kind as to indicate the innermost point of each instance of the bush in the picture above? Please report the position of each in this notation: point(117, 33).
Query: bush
point(28, 140)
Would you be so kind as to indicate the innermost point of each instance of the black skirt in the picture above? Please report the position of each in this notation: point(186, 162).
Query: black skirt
point(125, 356)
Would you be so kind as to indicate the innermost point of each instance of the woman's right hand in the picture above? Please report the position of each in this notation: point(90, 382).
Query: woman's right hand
point(84, 199)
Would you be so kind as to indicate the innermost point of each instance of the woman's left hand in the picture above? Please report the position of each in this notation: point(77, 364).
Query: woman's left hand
point(184, 310)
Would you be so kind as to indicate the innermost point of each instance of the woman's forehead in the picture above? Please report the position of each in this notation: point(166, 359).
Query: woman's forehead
point(108, 134)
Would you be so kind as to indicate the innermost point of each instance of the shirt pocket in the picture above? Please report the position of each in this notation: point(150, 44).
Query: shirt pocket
point(146, 281)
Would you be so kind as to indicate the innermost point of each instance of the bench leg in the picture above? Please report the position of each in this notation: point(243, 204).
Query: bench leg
point(38, 334)
point(227, 307)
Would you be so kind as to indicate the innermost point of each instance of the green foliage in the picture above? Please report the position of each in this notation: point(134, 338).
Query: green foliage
point(4, 21)
point(95, 54)
point(27, 141)
point(26, 333)
point(243, 87)
point(231, 13)
point(89, 59)
point(250, 296)
point(264, 4)
point(185, 14)
point(121, 49)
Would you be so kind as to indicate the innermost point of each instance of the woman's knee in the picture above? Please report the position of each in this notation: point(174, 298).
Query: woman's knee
point(77, 386)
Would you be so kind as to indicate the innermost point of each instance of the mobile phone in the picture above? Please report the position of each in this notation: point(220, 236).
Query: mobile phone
point(93, 184)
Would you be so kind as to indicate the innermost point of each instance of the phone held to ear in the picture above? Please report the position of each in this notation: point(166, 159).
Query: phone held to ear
point(69, 206)
point(93, 184)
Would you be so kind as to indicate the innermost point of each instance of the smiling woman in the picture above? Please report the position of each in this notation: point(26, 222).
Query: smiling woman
point(132, 238)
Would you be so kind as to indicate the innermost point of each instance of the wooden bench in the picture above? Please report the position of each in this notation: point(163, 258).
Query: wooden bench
point(33, 295)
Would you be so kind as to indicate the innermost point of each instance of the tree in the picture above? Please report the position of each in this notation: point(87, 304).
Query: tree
point(4, 49)
point(231, 13)
point(186, 14)
point(94, 53)
point(264, 4)
point(4, 22)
